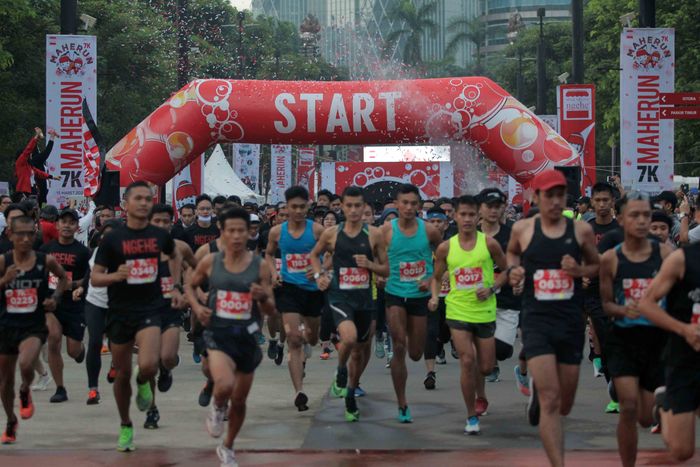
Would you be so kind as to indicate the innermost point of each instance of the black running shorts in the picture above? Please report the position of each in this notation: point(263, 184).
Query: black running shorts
point(361, 318)
point(11, 337)
point(636, 351)
point(413, 306)
point(72, 322)
point(292, 299)
point(562, 336)
point(236, 342)
point(682, 389)
point(122, 327)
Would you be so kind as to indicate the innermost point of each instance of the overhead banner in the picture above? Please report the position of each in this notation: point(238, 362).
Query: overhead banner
point(246, 164)
point(71, 76)
point(280, 171)
point(576, 109)
point(647, 63)
point(187, 184)
point(306, 163)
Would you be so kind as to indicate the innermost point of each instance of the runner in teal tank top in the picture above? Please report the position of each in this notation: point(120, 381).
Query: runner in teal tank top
point(407, 290)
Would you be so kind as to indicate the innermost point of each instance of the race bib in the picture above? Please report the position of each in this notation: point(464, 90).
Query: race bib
point(142, 271)
point(553, 284)
point(53, 279)
point(278, 265)
point(21, 300)
point(297, 262)
point(468, 278)
point(695, 319)
point(445, 287)
point(411, 271)
point(353, 278)
point(634, 289)
point(167, 285)
point(233, 305)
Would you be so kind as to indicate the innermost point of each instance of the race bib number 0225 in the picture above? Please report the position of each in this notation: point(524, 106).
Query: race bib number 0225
point(21, 300)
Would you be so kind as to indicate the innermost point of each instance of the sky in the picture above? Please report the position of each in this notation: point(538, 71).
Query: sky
point(241, 4)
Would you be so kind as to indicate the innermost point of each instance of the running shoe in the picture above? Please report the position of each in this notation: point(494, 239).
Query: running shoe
point(308, 351)
point(9, 436)
point(612, 407)
point(359, 392)
point(405, 415)
point(260, 338)
point(352, 413)
point(126, 439)
point(111, 374)
point(325, 353)
point(81, 356)
point(340, 383)
point(196, 357)
point(26, 405)
point(482, 406)
point(165, 380)
point(493, 377)
point(205, 393)
point(454, 352)
point(215, 421)
point(533, 406)
point(42, 384)
point(655, 429)
point(597, 367)
point(280, 354)
point(59, 396)
point(226, 456)
point(105, 349)
point(522, 382)
point(337, 391)
point(152, 418)
point(93, 397)
point(388, 362)
point(659, 396)
point(440, 357)
point(272, 349)
point(379, 350)
point(430, 380)
point(612, 392)
point(472, 426)
point(300, 402)
point(388, 347)
point(144, 395)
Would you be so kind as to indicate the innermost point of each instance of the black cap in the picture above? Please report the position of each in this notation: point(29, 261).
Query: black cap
point(492, 195)
point(584, 199)
point(669, 197)
point(69, 212)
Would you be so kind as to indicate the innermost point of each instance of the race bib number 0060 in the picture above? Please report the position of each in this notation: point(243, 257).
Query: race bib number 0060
point(353, 278)
point(553, 284)
point(21, 300)
point(297, 262)
point(142, 271)
point(233, 305)
point(411, 271)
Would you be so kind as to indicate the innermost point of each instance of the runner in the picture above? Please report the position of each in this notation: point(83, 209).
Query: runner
point(469, 258)
point(633, 347)
point(299, 299)
point(171, 313)
point(127, 264)
point(69, 317)
point(204, 229)
point(408, 288)
point(23, 329)
point(236, 278)
point(546, 253)
point(679, 281)
point(275, 349)
point(355, 246)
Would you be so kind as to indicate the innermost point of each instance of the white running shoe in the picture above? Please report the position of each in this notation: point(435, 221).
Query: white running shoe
point(226, 456)
point(215, 421)
point(42, 384)
point(472, 426)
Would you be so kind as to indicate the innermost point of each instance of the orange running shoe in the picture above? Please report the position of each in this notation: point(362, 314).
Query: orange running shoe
point(105, 349)
point(26, 407)
point(9, 436)
point(325, 355)
point(93, 397)
point(111, 374)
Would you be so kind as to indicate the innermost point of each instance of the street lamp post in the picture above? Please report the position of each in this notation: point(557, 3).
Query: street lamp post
point(241, 18)
point(183, 62)
point(69, 16)
point(577, 41)
point(541, 107)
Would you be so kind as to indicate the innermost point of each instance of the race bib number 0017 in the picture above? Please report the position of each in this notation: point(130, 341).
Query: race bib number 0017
point(53, 279)
point(553, 284)
point(411, 271)
point(353, 278)
point(233, 305)
point(142, 271)
point(21, 300)
point(468, 278)
point(297, 262)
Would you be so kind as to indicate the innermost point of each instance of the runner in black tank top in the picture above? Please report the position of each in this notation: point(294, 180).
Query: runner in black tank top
point(357, 253)
point(548, 255)
point(24, 300)
point(633, 346)
point(679, 280)
point(237, 279)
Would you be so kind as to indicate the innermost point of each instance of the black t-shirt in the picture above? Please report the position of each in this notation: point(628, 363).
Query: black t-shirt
point(74, 259)
point(682, 303)
point(196, 236)
point(140, 250)
point(178, 231)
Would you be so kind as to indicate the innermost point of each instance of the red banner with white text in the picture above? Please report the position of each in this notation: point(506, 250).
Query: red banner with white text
point(576, 108)
point(306, 163)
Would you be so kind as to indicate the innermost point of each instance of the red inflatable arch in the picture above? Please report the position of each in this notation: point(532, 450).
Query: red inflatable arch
point(437, 111)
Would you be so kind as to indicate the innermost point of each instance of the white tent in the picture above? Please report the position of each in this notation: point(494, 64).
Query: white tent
point(220, 179)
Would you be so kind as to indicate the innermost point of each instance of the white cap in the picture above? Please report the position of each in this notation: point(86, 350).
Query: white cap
point(254, 218)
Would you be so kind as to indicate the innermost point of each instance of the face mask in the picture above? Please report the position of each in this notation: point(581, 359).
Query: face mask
point(204, 218)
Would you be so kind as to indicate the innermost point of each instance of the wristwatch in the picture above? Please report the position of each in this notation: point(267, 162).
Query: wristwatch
point(317, 275)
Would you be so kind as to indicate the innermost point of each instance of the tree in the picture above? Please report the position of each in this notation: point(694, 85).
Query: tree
point(469, 31)
point(417, 22)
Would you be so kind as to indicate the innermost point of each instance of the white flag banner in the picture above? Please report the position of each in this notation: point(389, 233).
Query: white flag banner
point(280, 171)
point(647, 63)
point(246, 164)
point(71, 76)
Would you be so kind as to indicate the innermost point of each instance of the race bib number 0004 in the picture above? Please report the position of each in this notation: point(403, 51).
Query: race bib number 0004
point(411, 271)
point(552, 285)
point(142, 271)
point(21, 300)
point(233, 305)
point(468, 278)
point(353, 278)
point(297, 262)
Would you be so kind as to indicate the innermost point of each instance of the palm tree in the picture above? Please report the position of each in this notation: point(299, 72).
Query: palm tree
point(470, 31)
point(416, 22)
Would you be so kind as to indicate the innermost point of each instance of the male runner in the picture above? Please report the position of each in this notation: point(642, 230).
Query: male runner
point(171, 313)
point(633, 346)
point(203, 230)
point(24, 300)
point(358, 252)
point(678, 281)
point(408, 288)
point(127, 264)
point(236, 278)
point(69, 317)
point(275, 349)
point(469, 259)
point(298, 297)
point(546, 252)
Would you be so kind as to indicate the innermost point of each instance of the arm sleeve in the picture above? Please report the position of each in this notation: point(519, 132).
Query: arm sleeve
point(27, 151)
point(40, 173)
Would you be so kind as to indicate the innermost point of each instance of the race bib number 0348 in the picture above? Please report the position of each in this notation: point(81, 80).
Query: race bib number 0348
point(297, 262)
point(468, 278)
point(411, 271)
point(21, 300)
point(142, 271)
point(233, 305)
point(553, 284)
point(353, 278)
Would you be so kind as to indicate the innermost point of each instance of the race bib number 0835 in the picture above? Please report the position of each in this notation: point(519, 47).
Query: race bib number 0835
point(553, 284)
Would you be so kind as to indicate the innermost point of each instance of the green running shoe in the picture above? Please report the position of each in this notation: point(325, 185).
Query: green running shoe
point(613, 407)
point(126, 439)
point(144, 396)
point(352, 416)
point(338, 391)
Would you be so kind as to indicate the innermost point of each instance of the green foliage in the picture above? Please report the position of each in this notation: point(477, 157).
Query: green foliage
point(417, 22)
